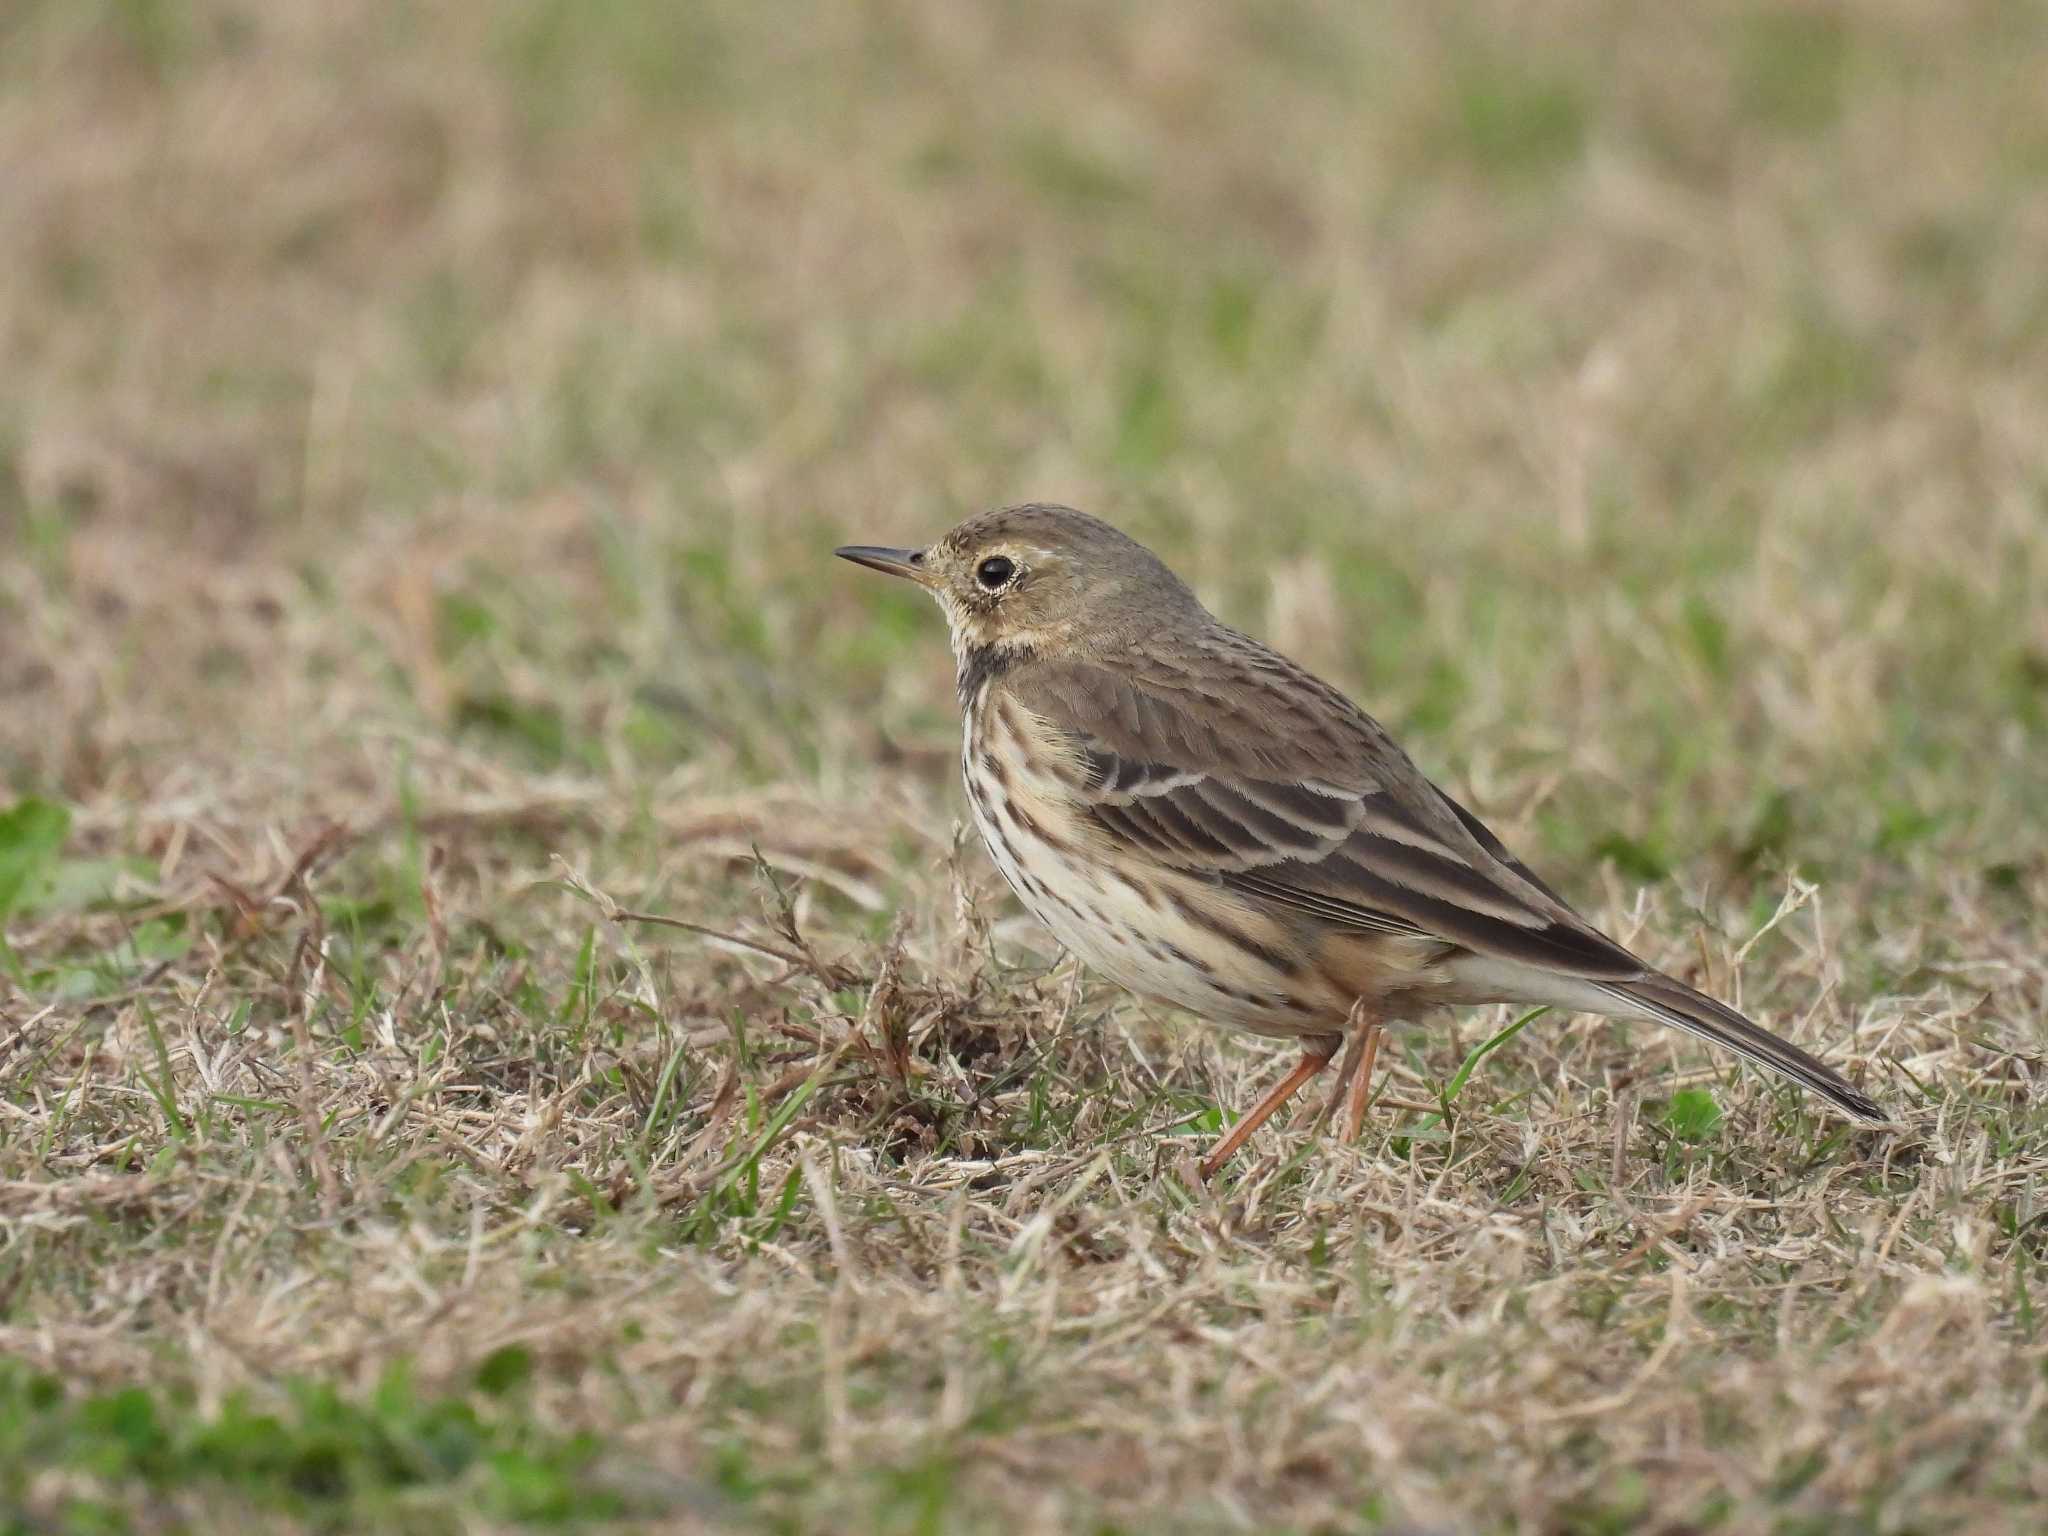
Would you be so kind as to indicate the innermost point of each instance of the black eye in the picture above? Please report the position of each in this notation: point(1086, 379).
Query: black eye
point(994, 571)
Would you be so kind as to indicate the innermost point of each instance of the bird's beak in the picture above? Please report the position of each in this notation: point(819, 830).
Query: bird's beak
point(891, 562)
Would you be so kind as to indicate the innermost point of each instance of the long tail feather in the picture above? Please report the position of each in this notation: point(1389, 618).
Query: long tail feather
point(1672, 1002)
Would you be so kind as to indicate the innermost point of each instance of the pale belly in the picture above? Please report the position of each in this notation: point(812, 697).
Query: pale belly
point(1151, 931)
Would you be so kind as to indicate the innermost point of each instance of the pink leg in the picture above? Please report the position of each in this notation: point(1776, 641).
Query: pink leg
point(1313, 1060)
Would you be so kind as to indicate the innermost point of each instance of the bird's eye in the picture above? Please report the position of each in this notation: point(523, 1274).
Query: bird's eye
point(995, 571)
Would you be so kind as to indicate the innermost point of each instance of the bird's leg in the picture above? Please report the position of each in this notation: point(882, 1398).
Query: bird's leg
point(1346, 1070)
point(1366, 1043)
point(1313, 1059)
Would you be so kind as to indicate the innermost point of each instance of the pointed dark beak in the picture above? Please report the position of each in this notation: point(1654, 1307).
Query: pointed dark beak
point(908, 563)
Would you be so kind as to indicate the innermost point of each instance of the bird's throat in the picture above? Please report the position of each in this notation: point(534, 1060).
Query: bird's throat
point(981, 665)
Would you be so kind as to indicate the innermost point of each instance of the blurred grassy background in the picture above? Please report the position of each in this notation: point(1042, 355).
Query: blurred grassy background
point(507, 370)
point(432, 421)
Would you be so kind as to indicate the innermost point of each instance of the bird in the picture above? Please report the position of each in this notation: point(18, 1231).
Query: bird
point(1211, 826)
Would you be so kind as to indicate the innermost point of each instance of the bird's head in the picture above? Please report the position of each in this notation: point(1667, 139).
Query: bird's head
point(1038, 579)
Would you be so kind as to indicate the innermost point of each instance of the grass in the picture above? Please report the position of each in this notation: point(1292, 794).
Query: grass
point(422, 439)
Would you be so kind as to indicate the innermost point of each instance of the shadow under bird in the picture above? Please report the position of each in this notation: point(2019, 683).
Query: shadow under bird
point(1209, 825)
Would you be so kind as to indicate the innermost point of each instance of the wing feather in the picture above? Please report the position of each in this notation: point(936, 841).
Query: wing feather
point(1315, 810)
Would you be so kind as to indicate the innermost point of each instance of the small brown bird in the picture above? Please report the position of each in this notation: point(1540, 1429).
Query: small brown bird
point(1203, 821)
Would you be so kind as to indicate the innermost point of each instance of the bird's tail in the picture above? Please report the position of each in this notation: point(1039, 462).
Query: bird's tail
point(1674, 1003)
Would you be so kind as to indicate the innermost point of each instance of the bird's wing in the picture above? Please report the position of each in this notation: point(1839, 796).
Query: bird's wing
point(1250, 772)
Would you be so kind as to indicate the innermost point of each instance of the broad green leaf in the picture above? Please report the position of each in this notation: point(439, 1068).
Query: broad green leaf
point(1692, 1114)
point(32, 833)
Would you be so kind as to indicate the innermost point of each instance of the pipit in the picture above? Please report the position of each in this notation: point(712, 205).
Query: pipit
point(1212, 827)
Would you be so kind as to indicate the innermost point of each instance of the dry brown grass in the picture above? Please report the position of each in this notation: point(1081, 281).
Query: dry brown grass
point(422, 430)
